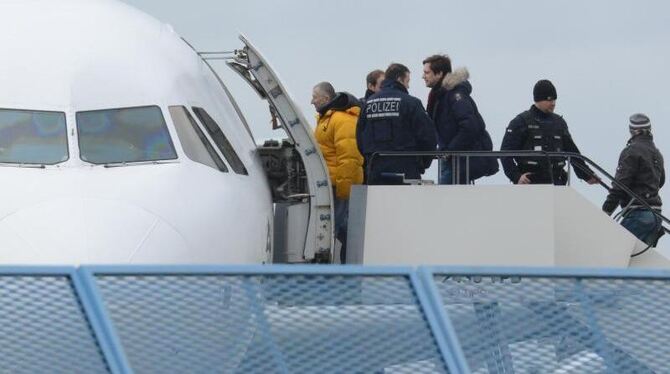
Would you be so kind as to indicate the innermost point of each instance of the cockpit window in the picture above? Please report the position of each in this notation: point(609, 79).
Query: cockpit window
point(124, 135)
point(32, 137)
point(193, 140)
point(221, 141)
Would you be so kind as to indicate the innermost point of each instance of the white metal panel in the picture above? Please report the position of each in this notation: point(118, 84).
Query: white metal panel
point(484, 225)
point(585, 236)
point(652, 259)
point(412, 225)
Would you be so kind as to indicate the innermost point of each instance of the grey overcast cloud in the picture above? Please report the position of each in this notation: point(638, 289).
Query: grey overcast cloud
point(607, 59)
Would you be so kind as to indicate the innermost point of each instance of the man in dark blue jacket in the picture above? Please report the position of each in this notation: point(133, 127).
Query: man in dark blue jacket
point(459, 125)
point(540, 129)
point(392, 120)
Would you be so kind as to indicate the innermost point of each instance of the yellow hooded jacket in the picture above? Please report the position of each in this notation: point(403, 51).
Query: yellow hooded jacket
point(336, 134)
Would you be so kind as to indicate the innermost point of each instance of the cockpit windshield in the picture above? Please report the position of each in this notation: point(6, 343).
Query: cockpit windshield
point(124, 135)
point(32, 137)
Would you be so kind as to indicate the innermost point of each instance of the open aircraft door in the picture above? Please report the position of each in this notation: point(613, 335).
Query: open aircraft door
point(297, 171)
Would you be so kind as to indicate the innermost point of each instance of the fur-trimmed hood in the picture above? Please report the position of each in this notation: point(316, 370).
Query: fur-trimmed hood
point(453, 79)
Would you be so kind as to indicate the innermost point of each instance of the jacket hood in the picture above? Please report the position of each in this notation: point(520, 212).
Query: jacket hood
point(455, 78)
point(342, 102)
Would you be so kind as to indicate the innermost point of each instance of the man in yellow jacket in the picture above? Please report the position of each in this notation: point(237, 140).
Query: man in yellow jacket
point(336, 134)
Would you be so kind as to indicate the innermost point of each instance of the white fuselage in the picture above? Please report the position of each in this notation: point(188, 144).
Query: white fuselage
point(77, 56)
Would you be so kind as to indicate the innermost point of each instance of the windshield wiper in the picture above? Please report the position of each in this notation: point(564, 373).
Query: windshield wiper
point(21, 165)
point(137, 163)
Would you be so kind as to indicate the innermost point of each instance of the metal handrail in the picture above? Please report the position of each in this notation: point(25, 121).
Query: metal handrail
point(501, 154)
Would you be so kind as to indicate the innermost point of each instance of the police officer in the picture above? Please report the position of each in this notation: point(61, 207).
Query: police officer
point(540, 129)
point(373, 83)
point(641, 170)
point(392, 120)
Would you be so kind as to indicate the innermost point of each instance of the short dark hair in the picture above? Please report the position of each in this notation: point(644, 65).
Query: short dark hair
point(439, 63)
point(396, 71)
point(372, 77)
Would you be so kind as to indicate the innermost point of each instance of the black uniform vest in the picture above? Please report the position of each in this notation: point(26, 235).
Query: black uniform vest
point(543, 135)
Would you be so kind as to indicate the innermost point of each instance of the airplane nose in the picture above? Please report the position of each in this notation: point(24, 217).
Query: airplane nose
point(80, 230)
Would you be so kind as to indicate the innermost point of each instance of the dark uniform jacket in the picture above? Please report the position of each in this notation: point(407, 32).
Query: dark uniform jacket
point(641, 170)
point(459, 125)
point(392, 120)
point(539, 131)
point(362, 100)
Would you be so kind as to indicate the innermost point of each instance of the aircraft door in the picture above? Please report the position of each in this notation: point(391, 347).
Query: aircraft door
point(296, 169)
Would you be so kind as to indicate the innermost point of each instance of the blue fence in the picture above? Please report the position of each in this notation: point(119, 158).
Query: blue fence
point(333, 319)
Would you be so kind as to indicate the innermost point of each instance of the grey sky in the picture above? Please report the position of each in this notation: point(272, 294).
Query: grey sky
point(608, 59)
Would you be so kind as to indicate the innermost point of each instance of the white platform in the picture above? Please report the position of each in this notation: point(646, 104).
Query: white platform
point(510, 225)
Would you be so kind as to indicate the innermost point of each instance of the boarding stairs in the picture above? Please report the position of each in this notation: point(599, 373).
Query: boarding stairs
point(490, 225)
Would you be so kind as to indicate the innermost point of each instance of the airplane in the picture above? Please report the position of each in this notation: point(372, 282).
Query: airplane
point(119, 143)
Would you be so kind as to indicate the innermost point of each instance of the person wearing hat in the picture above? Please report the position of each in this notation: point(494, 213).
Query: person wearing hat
point(640, 169)
point(540, 129)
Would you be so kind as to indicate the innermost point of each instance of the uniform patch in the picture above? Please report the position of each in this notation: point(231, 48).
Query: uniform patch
point(383, 107)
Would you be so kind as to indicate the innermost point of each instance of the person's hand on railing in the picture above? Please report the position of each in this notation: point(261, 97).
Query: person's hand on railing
point(593, 180)
point(609, 206)
point(524, 178)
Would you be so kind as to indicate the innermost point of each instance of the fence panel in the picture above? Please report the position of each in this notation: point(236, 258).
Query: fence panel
point(556, 321)
point(44, 325)
point(333, 319)
point(269, 319)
